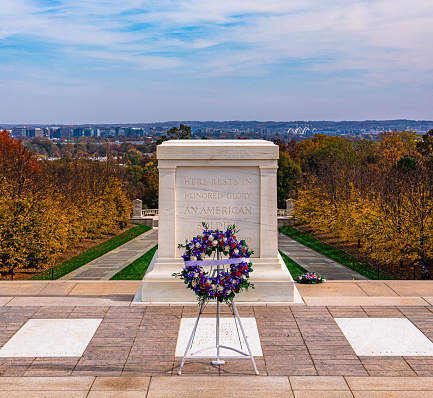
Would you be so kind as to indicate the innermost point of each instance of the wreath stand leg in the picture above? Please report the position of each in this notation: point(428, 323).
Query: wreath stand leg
point(250, 354)
point(191, 338)
point(220, 359)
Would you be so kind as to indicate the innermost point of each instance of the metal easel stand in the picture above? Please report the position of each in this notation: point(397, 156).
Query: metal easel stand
point(219, 358)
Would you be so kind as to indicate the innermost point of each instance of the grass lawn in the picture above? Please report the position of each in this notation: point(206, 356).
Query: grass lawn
point(91, 254)
point(137, 268)
point(336, 254)
point(294, 268)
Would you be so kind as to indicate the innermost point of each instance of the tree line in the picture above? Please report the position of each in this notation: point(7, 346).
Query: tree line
point(46, 207)
point(87, 147)
point(379, 193)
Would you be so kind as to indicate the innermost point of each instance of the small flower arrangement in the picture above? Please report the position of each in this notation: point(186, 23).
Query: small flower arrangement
point(222, 285)
point(310, 277)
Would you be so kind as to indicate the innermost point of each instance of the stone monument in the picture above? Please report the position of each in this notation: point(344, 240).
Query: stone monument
point(219, 182)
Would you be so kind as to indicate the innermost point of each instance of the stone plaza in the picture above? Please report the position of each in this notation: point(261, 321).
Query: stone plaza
point(305, 352)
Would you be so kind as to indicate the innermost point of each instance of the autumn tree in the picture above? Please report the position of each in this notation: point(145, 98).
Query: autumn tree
point(30, 235)
point(378, 192)
point(46, 208)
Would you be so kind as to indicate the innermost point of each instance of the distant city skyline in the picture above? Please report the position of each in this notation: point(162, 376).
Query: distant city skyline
point(135, 61)
point(224, 129)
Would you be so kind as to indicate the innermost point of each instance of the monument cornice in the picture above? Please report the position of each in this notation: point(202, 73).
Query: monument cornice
point(217, 150)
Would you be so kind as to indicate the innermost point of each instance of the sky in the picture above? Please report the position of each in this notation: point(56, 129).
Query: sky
point(137, 61)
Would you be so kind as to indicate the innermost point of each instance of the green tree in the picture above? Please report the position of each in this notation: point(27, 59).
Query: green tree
point(42, 146)
point(425, 146)
point(150, 180)
point(181, 133)
point(289, 176)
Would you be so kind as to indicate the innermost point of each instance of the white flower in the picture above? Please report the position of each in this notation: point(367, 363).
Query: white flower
point(226, 248)
point(220, 288)
point(210, 237)
point(197, 245)
point(236, 251)
point(214, 243)
point(194, 283)
point(193, 258)
point(225, 240)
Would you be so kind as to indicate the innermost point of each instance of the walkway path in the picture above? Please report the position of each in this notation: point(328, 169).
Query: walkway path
point(315, 262)
point(103, 268)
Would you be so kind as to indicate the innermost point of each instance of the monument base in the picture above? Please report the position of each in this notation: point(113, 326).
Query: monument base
point(272, 283)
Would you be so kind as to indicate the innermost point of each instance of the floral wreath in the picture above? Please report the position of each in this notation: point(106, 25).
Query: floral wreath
point(311, 278)
point(220, 285)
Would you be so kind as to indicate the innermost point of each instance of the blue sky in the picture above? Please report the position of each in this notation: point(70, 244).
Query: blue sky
point(111, 61)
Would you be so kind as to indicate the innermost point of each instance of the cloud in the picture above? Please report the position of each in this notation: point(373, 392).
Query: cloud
point(350, 35)
point(295, 45)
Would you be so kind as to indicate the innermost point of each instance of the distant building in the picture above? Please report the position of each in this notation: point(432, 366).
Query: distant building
point(65, 132)
point(139, 131)
point(36, 132)
point(61, 132)
point(78, 132)
point(19, 132)
point(27, 132)
point(54, 132)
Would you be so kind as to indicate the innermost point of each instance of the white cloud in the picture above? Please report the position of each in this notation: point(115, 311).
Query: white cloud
point(372, 35)
point(344, 45)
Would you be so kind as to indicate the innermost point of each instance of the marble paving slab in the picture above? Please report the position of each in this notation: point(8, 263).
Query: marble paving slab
point(205, 336)
point(4, 300)
point(75, 301)
point(51, 338)
point(342, 300)
point(385, 337)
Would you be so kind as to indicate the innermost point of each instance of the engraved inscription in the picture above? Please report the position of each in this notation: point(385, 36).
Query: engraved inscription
point(218, 210)
point(218, 196)
point(216, 181)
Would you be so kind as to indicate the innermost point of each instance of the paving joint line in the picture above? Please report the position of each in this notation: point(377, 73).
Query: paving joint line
point(362, 363)
point(263, 355)
point(348, 386)
point(91, 386)
point(389, 287)
point(363, 290)
point(290, 384)
point(305, 343)
point(135, 337)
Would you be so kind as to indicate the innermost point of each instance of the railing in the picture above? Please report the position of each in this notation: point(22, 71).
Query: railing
point(149, 213)
point(154, 213)
point(284, 213)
